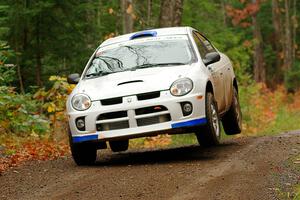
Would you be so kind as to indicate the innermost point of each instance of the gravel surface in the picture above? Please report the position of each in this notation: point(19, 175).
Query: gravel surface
point(242, 168)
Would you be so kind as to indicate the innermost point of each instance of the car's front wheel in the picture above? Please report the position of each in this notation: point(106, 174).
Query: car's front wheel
point(210, 134)
point(83, 153)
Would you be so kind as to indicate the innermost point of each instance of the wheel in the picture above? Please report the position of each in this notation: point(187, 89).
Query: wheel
point(120, 145)
point(83, 154)
point(210, 134)
point(232, 120)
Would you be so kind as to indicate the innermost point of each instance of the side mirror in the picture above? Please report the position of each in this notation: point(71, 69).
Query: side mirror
point(211, 58)
point(73, 78)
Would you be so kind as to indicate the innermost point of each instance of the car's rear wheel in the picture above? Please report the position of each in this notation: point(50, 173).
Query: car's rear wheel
point(232, 120)
point(119, 145)
point(83, 153)
point(210, 134)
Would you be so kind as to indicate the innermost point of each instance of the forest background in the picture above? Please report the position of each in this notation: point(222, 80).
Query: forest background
point(42, 41)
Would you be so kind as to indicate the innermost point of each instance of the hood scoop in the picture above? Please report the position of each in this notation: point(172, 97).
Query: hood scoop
point(127, 82)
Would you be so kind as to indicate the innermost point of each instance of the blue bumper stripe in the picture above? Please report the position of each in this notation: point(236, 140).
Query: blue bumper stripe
point(85, 138)
point(194, 122)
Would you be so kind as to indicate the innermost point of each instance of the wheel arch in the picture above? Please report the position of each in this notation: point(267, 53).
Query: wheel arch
point(209, 87)
point(235, 85)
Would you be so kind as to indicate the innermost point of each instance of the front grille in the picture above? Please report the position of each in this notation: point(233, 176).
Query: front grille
point(149, 95)
point(152, 115)
point(112, 101)
point(141, 117)
point(112, 121)
point(112, 126)
point(153, 120)
point(148, 110)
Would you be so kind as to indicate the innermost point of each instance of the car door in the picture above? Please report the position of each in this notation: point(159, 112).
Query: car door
point(216, 69)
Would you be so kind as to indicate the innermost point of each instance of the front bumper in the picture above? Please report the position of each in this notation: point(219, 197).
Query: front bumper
point(177, 121)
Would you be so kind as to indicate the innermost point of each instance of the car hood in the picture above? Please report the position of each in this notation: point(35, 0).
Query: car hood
point(131, 82)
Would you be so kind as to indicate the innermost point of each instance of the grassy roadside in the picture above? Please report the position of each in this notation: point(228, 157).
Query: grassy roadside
point(286, 120)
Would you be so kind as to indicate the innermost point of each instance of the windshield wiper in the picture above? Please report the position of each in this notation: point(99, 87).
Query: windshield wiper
point(149, 65)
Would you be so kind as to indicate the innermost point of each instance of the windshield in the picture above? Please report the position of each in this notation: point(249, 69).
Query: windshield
point(141, 54)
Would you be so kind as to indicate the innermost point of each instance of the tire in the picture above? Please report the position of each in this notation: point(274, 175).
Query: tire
point(210, 134)
point(120, 145)
point(83, 153)
point(232, 120)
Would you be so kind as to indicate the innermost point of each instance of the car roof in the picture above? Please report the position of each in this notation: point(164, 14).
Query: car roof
point(157, 32)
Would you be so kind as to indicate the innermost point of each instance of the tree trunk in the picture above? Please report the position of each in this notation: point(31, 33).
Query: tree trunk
point(295, 25)
point(166, 13)
point(178, 9)
point(98, 13)
point(170, 13)
point(258, 56)
point(149, 12)
point(287, 62)
point(223, 6)
point(277, 31)
point(38, 57)
point(19, 72)
point(278, 41)
point(127, 20)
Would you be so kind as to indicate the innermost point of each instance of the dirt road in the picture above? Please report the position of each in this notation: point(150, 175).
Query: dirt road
point(245, 168)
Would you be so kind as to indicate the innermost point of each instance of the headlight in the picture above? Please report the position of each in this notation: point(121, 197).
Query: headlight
point(81, 102)
point(181, 87)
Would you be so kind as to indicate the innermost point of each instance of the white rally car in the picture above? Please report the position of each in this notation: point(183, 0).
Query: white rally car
point(169, 80)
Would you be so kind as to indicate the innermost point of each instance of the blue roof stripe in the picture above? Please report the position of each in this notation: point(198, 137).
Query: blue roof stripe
point(144, 33)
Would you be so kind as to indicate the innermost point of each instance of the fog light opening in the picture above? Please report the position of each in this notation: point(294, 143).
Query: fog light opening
point(80, 123)
point(187, 108)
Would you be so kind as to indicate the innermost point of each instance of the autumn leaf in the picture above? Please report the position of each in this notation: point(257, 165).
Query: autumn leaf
point(129, 10)
point(247, 43)
point(110, 11)
point(51, 108)
point(32, 149)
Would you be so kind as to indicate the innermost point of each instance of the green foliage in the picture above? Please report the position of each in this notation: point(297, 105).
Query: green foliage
point(183, 139)
point(7, 73)
point(54, 98)
point(246, 94)
point(19, 113)
point(292, 77)
point(3, 13)
point(53, 33)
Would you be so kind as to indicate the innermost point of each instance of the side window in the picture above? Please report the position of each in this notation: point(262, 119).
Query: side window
point(207, 44)
point(201, 48)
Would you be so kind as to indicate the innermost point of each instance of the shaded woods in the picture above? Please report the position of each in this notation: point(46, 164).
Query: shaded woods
point(43, 41)
point(57, 37)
